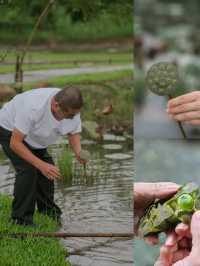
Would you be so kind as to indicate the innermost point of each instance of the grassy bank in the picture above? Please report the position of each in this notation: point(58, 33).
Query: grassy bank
point(101, 90)
point(29, 251)
point(57, 60)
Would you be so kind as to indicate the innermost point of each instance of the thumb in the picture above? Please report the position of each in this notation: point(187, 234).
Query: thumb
point(162, 190)
point(195, 230)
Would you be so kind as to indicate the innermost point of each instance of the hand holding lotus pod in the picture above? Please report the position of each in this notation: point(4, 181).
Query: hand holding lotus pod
point(161, 217)
point(162, 78)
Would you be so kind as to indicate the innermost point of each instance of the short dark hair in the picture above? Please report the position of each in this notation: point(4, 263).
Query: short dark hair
point(69, 97)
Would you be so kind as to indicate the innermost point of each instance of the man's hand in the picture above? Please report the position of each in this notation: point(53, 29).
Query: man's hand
point(49, 170)
point(17, 145)
point(145, 194)
point(82, 161)
point(186, 108)
point(182, 247)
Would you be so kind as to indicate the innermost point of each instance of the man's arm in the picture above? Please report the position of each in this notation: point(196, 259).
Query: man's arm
point(75, 143)
point(17, 145)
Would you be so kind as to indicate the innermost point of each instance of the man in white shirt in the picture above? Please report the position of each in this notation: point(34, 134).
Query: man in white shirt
point(29, 123)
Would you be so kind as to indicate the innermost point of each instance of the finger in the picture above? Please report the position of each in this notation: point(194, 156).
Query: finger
point(187, 116)
point(50, 177)
point(171, 239)
point(54, 176)
point(187, 107)
point(152, 240)
point(183, 230)
point(195, 122)
point(186, 98)
point(55, 172)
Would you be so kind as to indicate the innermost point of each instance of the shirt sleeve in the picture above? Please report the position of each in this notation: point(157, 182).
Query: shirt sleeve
point(23, 121)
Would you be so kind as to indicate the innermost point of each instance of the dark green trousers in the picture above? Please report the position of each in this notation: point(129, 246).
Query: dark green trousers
point(31, 187)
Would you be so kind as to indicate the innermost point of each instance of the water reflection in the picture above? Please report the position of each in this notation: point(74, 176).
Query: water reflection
point(167, 160)
point(100, 202)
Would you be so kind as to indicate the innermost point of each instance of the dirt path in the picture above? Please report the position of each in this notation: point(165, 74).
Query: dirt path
point(42, 75)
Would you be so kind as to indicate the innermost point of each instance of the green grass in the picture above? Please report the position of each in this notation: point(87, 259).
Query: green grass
point(43, 55)
point(83, 78)
point(72, 60)
point(29, 251)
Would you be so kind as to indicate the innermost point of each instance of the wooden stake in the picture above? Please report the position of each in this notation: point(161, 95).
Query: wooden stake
point(64, 235)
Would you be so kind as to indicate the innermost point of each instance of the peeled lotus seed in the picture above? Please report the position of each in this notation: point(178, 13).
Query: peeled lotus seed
point(185, 202)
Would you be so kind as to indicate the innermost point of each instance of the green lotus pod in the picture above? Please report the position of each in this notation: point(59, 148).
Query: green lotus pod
point(185, 202)
point(162, 216)
point(162, 78)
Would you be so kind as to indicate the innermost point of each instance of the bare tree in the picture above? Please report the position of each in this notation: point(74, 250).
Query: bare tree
point(3, 55)
point(20, 57)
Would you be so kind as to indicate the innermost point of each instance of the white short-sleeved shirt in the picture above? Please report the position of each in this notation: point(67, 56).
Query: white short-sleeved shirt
point(30, 112)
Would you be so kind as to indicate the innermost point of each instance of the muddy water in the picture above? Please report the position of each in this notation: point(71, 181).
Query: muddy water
point(102, 202)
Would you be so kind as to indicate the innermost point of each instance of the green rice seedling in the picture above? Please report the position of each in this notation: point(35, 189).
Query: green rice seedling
point(65, 164)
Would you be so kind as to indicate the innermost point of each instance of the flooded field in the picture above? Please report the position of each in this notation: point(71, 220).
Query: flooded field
point(100, 202)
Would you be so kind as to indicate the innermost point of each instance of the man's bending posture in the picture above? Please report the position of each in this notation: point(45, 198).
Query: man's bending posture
point(29, 123)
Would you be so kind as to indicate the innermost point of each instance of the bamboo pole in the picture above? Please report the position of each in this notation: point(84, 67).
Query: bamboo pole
point(64, 235)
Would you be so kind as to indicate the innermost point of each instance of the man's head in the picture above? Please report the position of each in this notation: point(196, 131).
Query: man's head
point(67, 103)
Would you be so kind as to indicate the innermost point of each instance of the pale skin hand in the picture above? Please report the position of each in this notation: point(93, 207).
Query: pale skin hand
point(185, 108)
point(17, 145)
point(145, 194)
point(75, 143)
point(182, 248)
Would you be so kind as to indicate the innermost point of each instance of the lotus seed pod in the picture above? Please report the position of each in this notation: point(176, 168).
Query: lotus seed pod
point(162, 216)
point(162, 78)
point(185, 202)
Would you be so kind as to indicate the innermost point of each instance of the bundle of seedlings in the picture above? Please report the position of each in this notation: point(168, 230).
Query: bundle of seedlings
point(68, 166)
point(65, 164)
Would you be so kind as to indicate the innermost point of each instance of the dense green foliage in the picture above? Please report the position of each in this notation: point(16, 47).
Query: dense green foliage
point(70, 19)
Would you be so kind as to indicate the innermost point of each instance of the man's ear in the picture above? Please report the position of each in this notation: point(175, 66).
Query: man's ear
point(55, 103)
